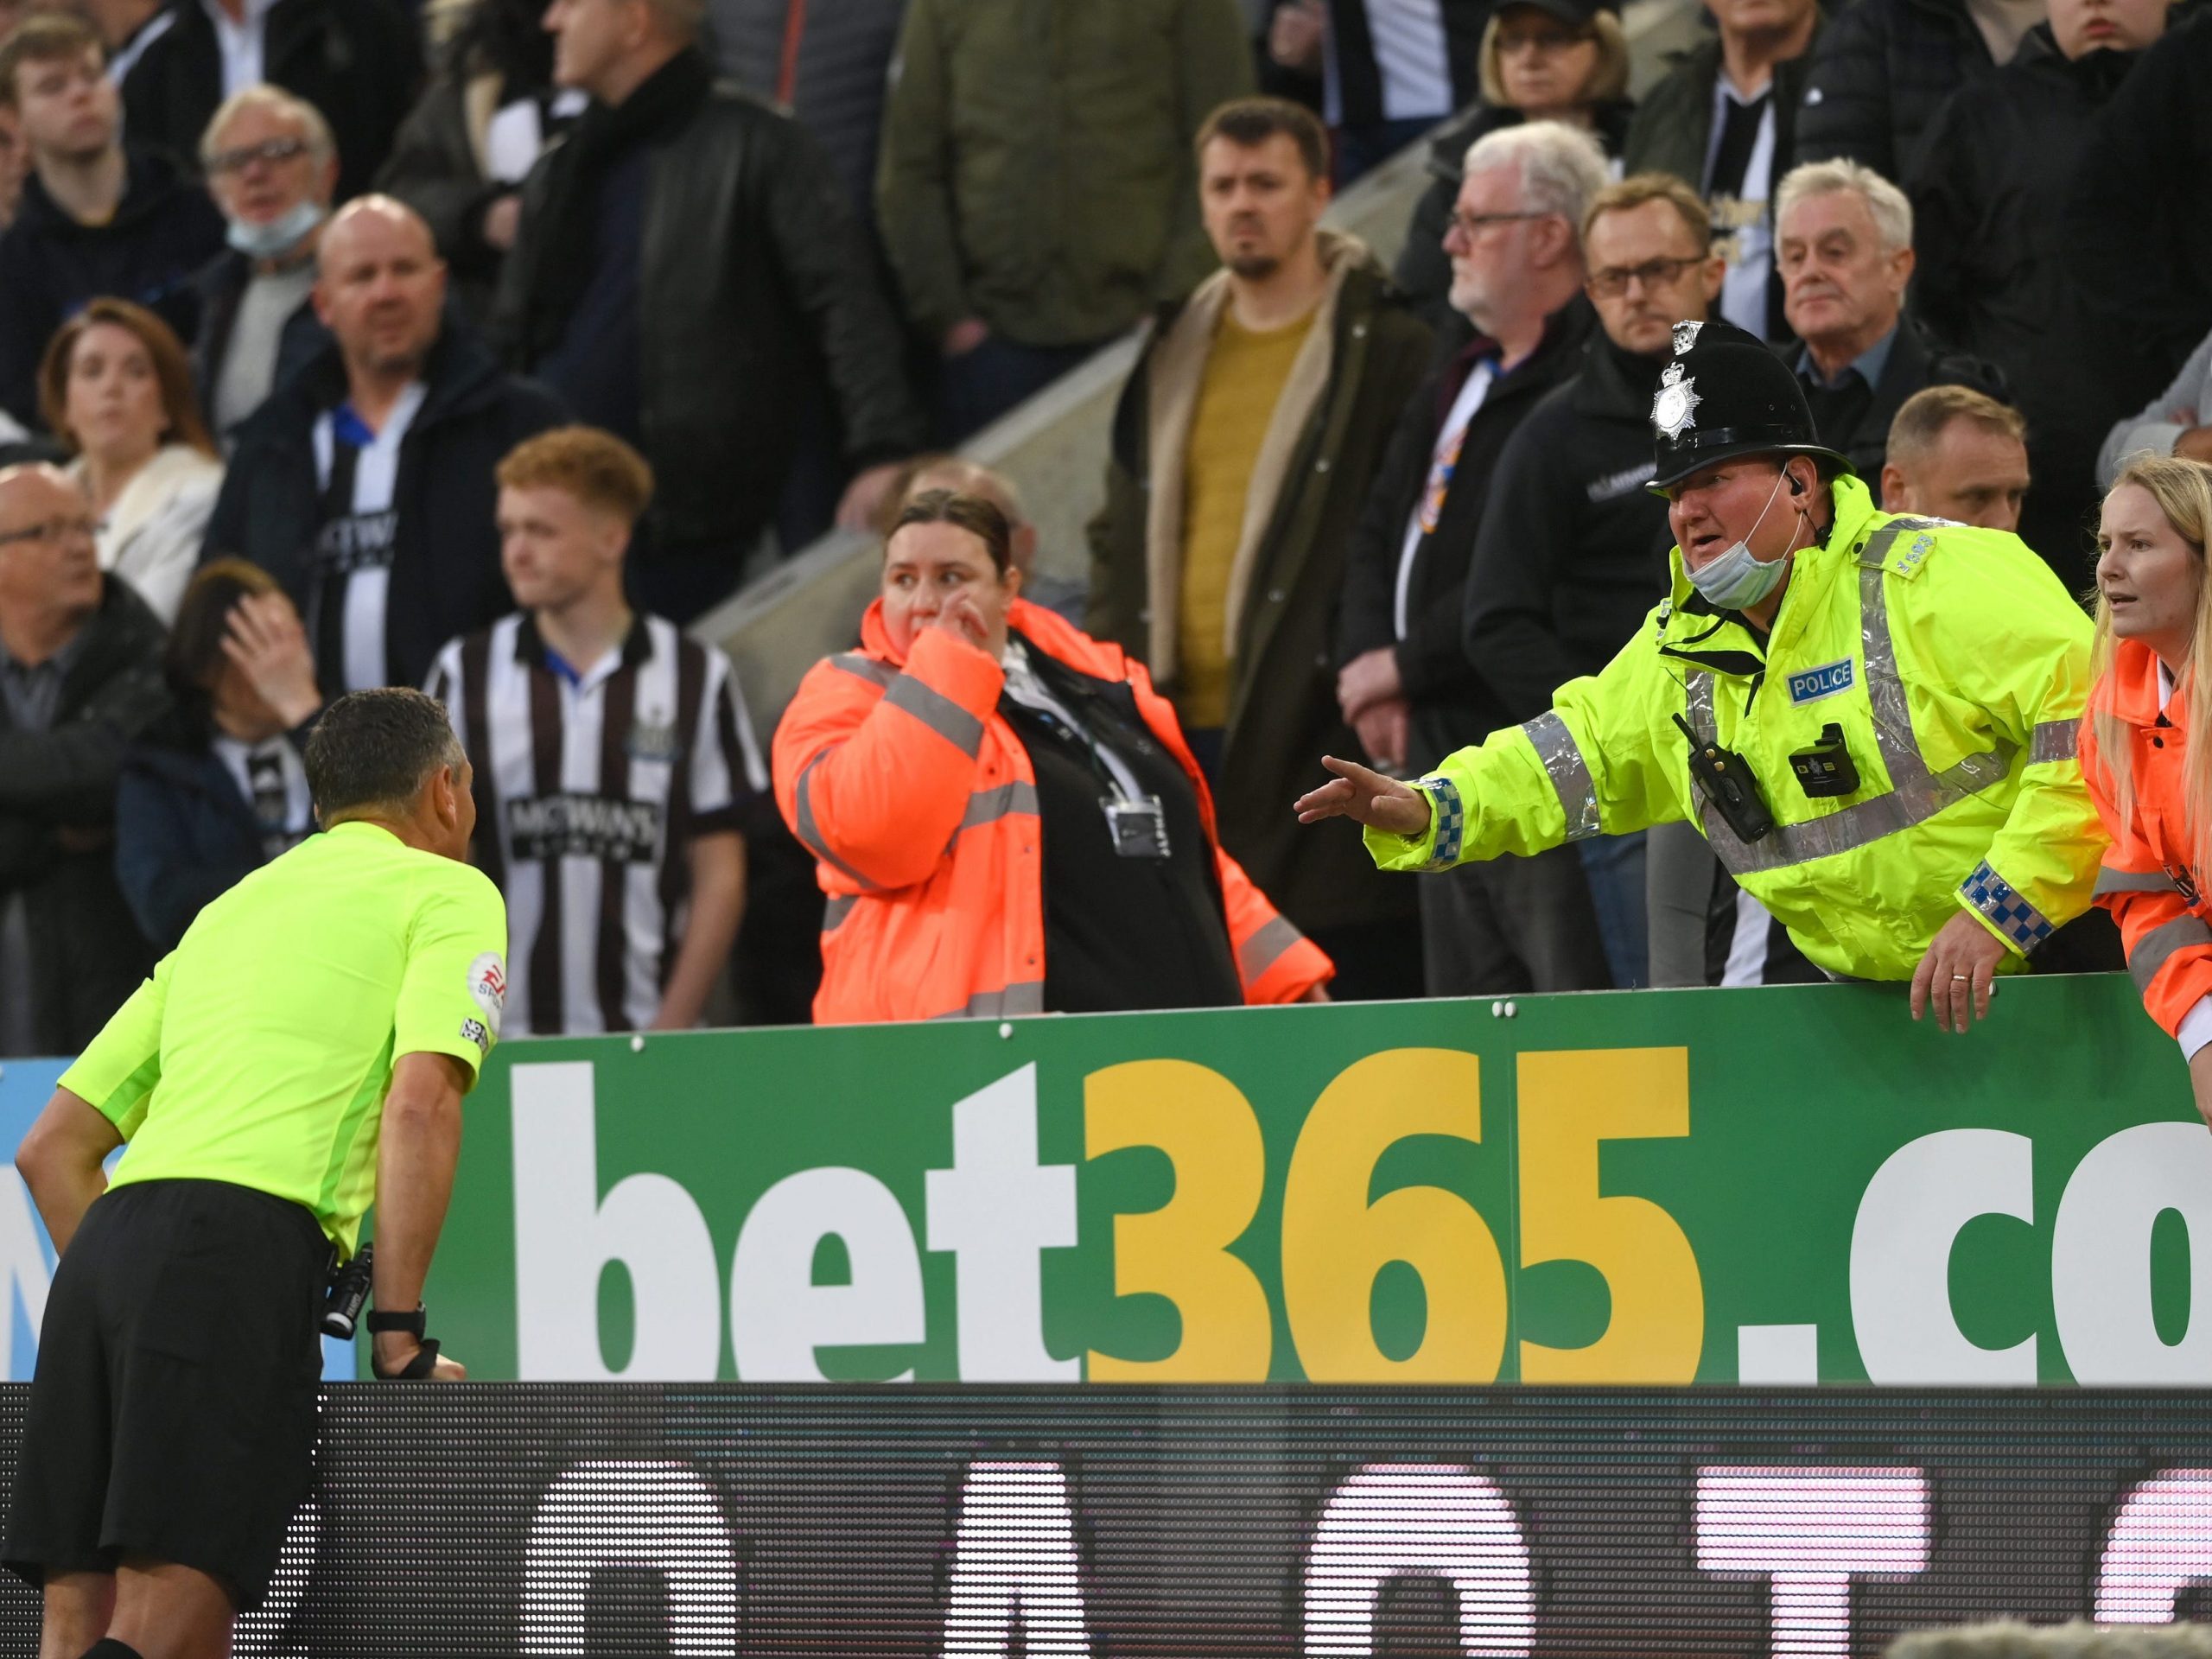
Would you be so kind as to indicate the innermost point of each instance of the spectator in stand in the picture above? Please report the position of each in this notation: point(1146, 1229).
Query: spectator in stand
point(1989, 199)
point(14, 155)
point(365, 485)
point(614, 830)
point(1035, 201)
point(1517, 275)
point(96, 217)
point(218, 786)
point(1885, 67)
point(1007, 818)
point(2151, 703)
point(127, 28)
point(116, 388)
point(1724, 119)
point(1244, 446)
point(679, 225)
point(1389, 69)
point(2177, 422)
point(830, 67)
point(1844, 237)
point(359, 61)
point(80, 678)
point(1572, 554)
point(1542, 60)
point(272, 167)
point(2145, 184)
point(466, 148)
point(1954, 453)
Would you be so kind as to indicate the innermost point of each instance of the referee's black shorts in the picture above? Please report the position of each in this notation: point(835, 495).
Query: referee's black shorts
point(173, 1414)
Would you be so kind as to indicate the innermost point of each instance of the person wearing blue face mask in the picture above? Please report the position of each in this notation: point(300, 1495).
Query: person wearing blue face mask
point(271, 166)
point(1870, 716)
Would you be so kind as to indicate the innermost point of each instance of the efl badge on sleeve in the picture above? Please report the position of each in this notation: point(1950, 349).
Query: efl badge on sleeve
point(1674, 411)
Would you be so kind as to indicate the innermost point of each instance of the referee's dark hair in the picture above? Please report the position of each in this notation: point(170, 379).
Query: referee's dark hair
point(979, 517)
point(376, 749)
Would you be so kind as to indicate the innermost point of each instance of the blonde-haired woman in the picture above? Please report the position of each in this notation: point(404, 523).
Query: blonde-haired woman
point(2151, 784)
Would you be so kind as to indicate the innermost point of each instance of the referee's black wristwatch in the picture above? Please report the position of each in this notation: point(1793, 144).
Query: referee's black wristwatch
point(414, 1323)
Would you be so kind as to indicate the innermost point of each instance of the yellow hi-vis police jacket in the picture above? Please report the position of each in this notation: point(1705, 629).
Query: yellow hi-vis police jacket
point(1958, 668)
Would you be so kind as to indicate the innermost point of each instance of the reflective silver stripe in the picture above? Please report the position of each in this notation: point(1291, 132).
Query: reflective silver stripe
point(2054, 740)
point(809, 832)
point(2111, 880)
point(834, 912)
point(1916, 794)
point(2152, 951)
point(2012, 915)
point(1025, 996)
point(867, 668)
point(989, 806)
point(1451, 814)
point(1264, 948)
point(1562, 759)
point(938, 712)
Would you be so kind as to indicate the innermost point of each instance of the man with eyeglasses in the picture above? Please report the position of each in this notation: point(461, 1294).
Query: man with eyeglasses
point(1407, 685)
point(1573, 550)
point(272, 167)
point(1872, 717)
point(96, 217)
point(80, 678)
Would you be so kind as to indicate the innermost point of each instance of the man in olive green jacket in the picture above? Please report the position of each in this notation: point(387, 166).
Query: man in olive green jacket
point(1035, 189)
point(1230, 500)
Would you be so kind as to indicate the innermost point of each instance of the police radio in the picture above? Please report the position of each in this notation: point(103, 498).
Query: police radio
point(1728, 784)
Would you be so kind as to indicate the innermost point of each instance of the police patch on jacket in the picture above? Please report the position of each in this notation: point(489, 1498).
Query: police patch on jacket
point(1814, 684)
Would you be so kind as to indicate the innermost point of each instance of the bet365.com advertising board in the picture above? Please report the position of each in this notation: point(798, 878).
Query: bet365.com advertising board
point(1767, 1187)
point(1777, 1186)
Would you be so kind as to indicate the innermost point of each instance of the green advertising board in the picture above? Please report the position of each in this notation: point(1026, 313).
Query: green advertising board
point(1794, 1184)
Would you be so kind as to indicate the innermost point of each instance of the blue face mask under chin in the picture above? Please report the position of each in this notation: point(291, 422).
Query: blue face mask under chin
point(1735, 579)
point(279, 236)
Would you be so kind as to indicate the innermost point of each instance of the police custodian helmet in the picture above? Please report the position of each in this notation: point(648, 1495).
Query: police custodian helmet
point(1723, 394)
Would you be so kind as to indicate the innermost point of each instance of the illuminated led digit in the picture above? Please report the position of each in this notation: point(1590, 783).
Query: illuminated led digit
point(1569, 1103)
point(1334, 1242)
point(262, 1631)
point(1811, 1531)
point(1180, 1250)
point(1419, 1520)
point(2160, 1542)
point(1014, 1563)
point(660, 1517)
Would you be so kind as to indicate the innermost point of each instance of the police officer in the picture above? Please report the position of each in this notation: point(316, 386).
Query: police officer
point(1872, 717)
point(305, 1049)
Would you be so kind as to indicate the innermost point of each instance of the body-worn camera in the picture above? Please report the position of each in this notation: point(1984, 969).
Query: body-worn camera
point(347, 1294)
point(1825, 770)
point(1727, 783)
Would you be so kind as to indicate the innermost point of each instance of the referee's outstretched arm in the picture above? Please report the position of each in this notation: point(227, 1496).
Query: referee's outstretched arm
point(421, 1145)
point(60, 1162)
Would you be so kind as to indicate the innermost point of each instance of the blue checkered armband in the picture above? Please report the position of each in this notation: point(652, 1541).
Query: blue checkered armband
point(1451, 814)
point(2013, 916)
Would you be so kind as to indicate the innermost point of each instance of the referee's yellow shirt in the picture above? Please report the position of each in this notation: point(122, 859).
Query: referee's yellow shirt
point(260, 1051)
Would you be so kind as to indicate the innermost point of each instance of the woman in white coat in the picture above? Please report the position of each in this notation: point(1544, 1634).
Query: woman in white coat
point(115, 387)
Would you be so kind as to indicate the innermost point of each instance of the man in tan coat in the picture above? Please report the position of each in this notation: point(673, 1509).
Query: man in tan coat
point(1242, 449)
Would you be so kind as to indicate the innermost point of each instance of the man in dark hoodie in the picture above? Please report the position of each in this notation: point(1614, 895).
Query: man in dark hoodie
point(1989, 199)
point(1573, 551)
point(96, 217)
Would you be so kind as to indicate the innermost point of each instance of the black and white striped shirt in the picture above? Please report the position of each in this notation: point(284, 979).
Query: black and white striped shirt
point(358, 471)
point(590, 787)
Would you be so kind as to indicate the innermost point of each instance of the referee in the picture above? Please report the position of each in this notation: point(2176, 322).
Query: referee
point(304, 1050)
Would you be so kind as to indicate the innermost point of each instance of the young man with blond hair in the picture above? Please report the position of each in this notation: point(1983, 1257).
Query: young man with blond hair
point(613, 758)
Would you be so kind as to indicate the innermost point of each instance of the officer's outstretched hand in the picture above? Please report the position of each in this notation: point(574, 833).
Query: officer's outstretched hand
point(1956, 975)
point(1365, 797)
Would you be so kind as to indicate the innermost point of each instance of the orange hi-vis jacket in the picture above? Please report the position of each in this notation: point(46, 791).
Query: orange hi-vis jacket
point(2145, 881)
point(920, 803)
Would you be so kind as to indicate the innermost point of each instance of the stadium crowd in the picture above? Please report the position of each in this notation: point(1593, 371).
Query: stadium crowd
point(486, 345)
